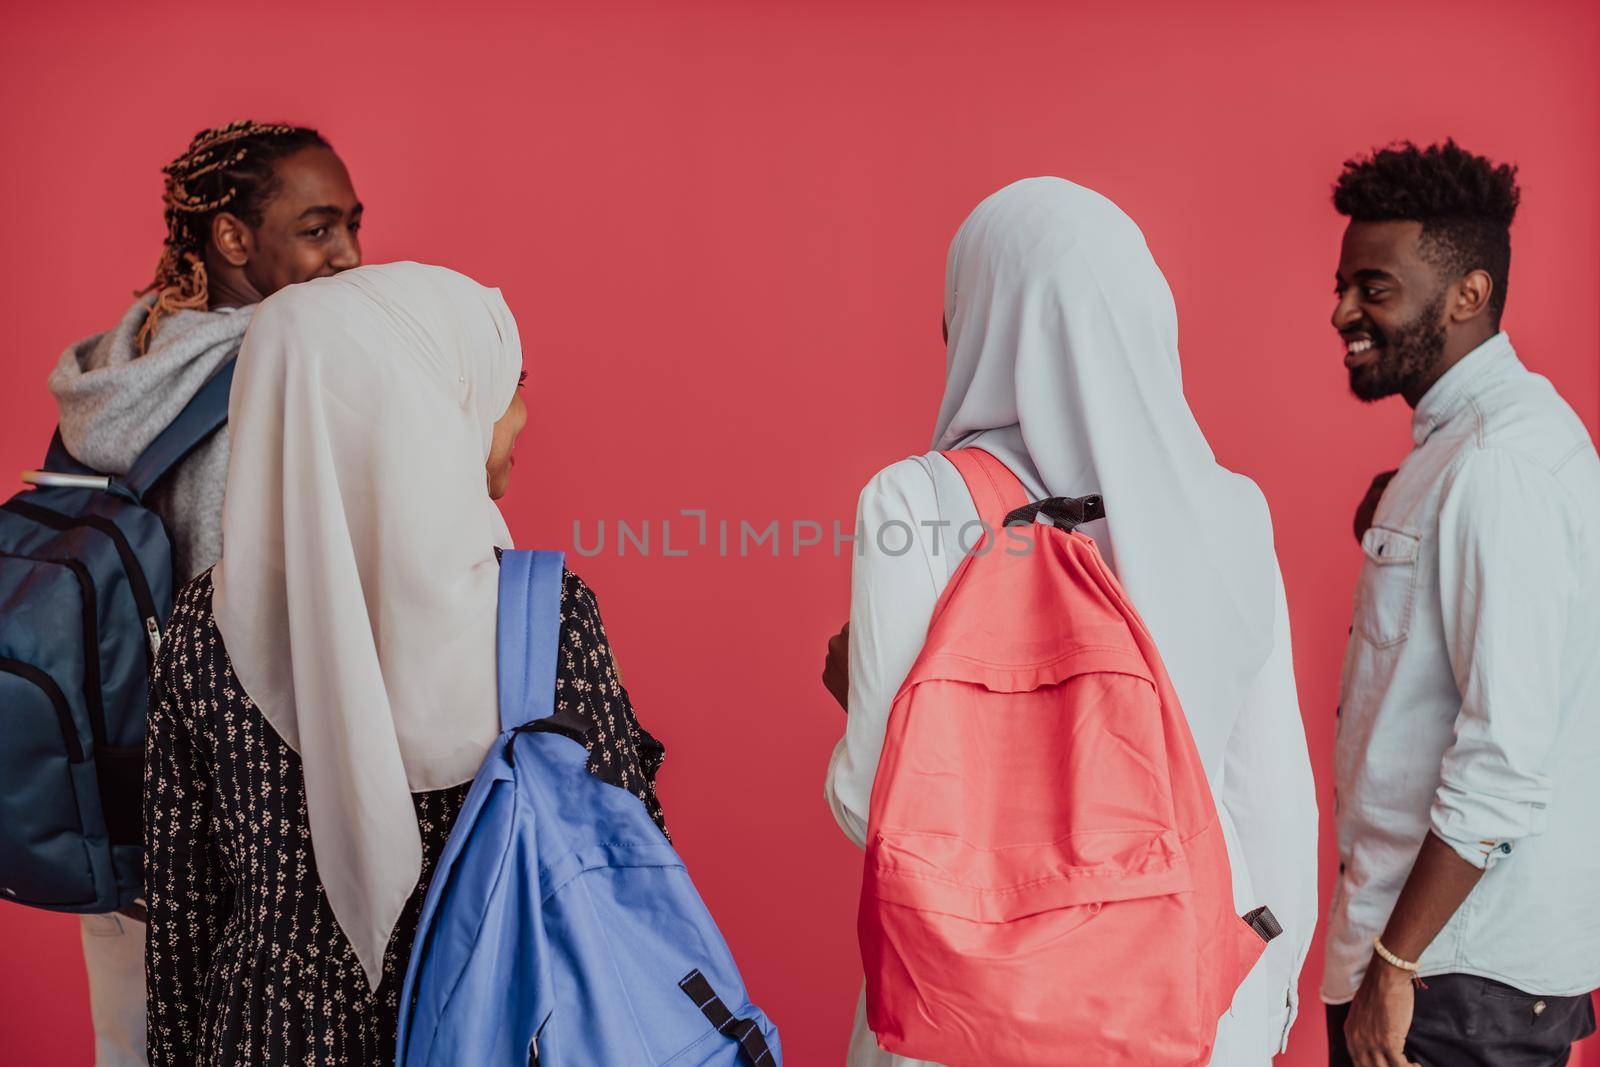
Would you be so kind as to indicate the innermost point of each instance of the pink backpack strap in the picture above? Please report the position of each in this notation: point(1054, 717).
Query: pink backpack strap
point(995, 490)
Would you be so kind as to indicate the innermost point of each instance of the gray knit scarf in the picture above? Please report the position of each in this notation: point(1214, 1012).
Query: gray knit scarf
point(113, 402)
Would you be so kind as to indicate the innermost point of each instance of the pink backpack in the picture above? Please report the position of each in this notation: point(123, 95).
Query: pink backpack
point(1046, 880)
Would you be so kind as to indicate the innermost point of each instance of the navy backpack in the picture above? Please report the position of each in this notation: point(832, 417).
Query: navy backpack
point(560, 928)
point(85, 587)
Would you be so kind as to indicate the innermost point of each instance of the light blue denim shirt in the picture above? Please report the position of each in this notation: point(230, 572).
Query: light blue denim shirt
point(1470, 704)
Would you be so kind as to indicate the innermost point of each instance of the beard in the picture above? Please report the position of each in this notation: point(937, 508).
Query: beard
point(1406, 354)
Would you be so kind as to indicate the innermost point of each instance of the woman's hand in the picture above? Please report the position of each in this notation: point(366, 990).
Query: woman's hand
point(836, 668)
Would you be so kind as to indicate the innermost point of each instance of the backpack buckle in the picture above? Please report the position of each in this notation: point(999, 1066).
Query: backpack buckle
point(1065, 512)
point(1263, 922)
point(54, 480)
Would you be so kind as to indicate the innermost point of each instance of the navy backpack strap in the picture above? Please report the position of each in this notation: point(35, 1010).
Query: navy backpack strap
point(60, 469)
point(201, 417)
point(526, 636)
point(59, 461)
point(752, 1042)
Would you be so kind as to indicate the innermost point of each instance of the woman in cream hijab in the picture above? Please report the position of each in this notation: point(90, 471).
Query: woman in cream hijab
point(323, 695)
point(1063, 363)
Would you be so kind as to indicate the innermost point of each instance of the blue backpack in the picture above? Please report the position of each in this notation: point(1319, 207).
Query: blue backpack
point(560, 928)
point(85, 587)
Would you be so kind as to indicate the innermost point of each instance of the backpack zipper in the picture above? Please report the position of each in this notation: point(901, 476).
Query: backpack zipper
point(93, 694)
point(28, 672)
point(137, 583)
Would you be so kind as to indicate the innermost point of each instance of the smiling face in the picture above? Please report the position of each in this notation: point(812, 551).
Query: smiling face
point(304, 224)
point(1392, 311)
point(309, 227)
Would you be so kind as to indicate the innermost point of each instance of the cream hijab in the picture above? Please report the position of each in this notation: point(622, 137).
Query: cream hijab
point(1064, 345)
point(357, 590)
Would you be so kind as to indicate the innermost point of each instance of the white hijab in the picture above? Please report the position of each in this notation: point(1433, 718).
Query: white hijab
point(357, 590)
point(1064, 340)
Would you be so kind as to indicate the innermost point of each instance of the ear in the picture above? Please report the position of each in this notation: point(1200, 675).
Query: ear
point(1472, 296)
point(232, 238)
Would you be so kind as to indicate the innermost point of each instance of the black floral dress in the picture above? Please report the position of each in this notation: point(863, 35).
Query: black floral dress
point(244, 961)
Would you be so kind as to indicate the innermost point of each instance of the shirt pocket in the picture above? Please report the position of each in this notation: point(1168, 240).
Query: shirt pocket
point(1388, 585)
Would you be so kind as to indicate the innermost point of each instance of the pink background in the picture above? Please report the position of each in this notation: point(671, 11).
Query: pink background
point(722, 228)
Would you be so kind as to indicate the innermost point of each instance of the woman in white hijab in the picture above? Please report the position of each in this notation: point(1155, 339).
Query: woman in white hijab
point(1063, 363)
point(324, 693)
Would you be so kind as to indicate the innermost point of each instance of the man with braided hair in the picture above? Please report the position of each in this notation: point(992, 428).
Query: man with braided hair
point(250, 208)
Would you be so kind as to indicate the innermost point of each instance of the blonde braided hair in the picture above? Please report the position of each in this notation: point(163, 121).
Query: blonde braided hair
point(226, 168)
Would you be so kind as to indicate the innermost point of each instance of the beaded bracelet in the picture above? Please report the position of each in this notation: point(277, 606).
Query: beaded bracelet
point(1391, 959)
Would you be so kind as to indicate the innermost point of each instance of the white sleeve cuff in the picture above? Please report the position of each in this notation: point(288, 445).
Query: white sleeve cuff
point(849, 822)
point(1482, 853)
point(1291, 1013)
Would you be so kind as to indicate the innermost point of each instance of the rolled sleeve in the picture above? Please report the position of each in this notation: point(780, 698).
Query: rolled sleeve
point(1506, 557)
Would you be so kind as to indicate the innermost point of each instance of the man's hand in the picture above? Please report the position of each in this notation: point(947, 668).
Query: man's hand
point(836, 668)
point(1369, 503)
point(1380, 1017)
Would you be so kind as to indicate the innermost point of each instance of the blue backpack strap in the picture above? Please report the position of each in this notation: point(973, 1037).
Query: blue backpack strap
point(205, 413)
point(746, 1032)
point(527, 633)
point(61, 470)
point(59, 461)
